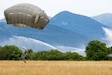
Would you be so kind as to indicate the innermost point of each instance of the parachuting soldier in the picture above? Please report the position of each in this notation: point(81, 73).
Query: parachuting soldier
point(26, 15)
point(23, 56)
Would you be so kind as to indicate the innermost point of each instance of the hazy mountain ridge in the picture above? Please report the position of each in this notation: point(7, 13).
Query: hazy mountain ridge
point(65, 30)
point(78, 23)
point(105, 19)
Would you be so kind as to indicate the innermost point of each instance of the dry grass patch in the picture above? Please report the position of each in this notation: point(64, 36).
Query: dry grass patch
point(56, 68)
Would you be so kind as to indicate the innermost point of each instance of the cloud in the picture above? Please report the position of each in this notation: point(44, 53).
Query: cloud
point(52, 7)
point(81, 50)
point(108, 36)
point(30, 43)
point(36, 45)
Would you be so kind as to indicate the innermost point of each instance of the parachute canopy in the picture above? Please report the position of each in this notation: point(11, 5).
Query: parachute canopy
point(24, 15)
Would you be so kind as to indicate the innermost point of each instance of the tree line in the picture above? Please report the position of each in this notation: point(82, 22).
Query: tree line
point(95, 50)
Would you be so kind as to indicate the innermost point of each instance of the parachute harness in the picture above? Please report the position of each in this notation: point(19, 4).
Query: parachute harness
point(23, 56)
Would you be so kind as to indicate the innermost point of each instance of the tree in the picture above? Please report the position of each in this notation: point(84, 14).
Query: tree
point(72, 56)
point(110, 50)
point(96, 50)
point(10, 53)
point(30, 55)
point(55, 55)
point(110, 53)
point(42, 55)
point(49, 55)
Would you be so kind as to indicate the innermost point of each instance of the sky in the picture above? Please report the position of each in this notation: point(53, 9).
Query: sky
point(52, 7)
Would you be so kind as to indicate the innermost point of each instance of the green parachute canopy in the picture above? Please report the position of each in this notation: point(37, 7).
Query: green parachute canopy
point(26, 15)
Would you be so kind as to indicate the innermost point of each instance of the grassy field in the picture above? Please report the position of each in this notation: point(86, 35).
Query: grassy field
point(56, 68)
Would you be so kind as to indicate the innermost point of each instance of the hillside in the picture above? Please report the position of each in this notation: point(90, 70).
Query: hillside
point(78, 23)
point(65, 31)
point(105, 19)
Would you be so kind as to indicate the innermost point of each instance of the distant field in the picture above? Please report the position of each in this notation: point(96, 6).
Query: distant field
point(56, 68)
